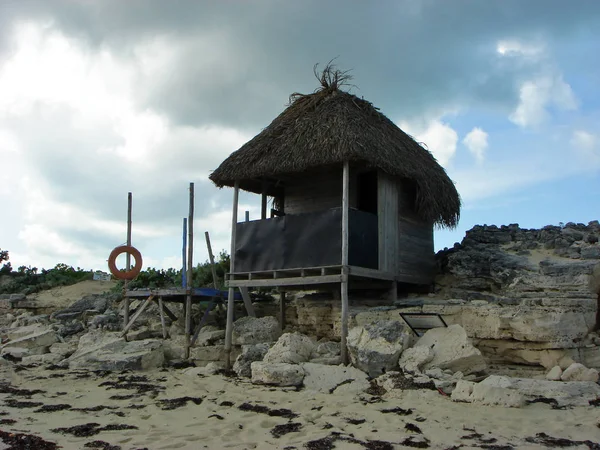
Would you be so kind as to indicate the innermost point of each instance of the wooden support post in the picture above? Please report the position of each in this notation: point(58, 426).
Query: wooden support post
point(212, 260)
point(230, 295)
point(128, 257)
point(169, 313)
point(247, 301)
point(282, 310)
point(162, 317)
point(247, 216)
point(136, 315)
point(393, 292)
point(344, 286)
point(263, 206)
point(183, 256)
point(190, 259)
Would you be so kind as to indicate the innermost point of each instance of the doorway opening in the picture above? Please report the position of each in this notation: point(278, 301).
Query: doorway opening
point(367, 192)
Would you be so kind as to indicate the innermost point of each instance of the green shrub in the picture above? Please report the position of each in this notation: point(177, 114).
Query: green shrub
point(27, 279)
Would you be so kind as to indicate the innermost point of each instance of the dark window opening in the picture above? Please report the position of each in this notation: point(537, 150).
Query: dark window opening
point(367, 192)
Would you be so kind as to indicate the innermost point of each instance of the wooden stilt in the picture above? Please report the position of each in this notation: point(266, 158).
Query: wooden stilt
point(169, 313)
point(263, 203)
point(127, 258)
point(344, 295)
point(162, 317)
point(212, 260)
point(230, 296)
point(188, 300)
point(136, 315)
point(344, 284)
point(393, 292)
point(247, 301)
point(282, 310)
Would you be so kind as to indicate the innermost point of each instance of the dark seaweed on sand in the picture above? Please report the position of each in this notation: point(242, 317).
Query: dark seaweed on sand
point(174, 403)
point(7, 389)
point(91, 429)
point(286, 413)
point(549, 441)
point(101, 445)
point(328, 443)
point(53, 408)
point(397, 410)
point(281, 430)
point(19, 441)
point(17, 404)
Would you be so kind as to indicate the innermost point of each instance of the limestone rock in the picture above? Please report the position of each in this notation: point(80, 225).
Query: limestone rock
point(48, 358)
point(572, 393)
point(414, 358)
point(278, 374)
point(211, 368)
point(108, 351)
point(250, 353)
point(326, 349)
point(578, 372)
point(174, 348)
point(76, 310)
point(209, 337)
point(375, 348)
point(37, 343)
point(452, 350)
point(463, 391)
point(554, 374)
point(204, 355)
point(334, 379)
point(497, 396)
point(252, 330)
point(291, 348)
point(19, 332)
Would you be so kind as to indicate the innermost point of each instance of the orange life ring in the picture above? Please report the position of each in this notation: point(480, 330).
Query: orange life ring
point(130, 274)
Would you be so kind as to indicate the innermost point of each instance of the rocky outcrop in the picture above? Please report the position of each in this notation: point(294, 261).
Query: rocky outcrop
point(36, 343)
point(483, 394)
point(578, 372)
point(375, 348)
point(95, 303)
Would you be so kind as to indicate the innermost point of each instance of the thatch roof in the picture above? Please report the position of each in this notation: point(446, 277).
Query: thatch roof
point(331, 126)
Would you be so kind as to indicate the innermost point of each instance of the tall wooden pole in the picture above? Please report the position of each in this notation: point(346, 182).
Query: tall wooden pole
point(188, 301)
point(263, 206)
point(183, 256)
point(230, 294)
point(344, 284)
point(212, 260)
point(128, 258)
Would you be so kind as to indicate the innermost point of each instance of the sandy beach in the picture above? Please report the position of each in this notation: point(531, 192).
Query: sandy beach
point(169, 408)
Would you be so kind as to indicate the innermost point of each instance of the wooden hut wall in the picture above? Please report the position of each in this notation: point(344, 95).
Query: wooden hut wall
point(415, 261)
point(387, 212)
point(316, 191)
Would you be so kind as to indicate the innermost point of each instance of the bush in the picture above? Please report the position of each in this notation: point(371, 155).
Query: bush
point(27, 280)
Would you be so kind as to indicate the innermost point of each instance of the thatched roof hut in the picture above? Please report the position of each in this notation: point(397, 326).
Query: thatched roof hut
point(331, 126)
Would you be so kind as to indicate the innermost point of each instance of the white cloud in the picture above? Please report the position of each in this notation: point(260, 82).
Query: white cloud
point(587, 146)
point(439, 138)
point(477, 142)
point(514, 47)
point(536, 96)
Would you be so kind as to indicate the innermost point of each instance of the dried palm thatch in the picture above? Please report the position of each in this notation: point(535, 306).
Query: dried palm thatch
point(331, 126)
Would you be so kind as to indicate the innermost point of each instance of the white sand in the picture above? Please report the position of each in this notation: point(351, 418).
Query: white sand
point(190, 426)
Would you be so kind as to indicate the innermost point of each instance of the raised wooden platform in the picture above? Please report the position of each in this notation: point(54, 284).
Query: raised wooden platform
point(308, 276)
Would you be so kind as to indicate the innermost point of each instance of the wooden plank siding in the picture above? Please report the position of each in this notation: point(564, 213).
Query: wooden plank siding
point(387, 213)
point(317, 191)
point(415, 240)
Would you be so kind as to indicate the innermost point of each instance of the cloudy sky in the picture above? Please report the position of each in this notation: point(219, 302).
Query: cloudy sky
point(99, 98)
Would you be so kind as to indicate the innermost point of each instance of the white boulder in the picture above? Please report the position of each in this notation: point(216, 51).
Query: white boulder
point(250, 353)
point(344, 380)
point(554, 374)
point(452, 350)
point(291, 348)
point(578, 372)
point(413, 359)
point(278, 374)
point(375, 348)
point(37, 343)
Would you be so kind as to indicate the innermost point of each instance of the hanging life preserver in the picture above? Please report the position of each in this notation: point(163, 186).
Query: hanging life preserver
point(130, 274)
